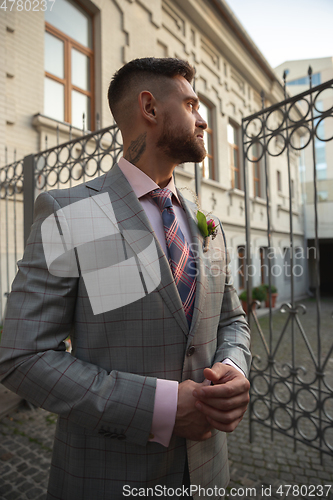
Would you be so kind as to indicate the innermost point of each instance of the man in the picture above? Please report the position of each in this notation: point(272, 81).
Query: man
point(157, 373)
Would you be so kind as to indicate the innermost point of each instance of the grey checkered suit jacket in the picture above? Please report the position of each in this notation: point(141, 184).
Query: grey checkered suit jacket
point(104, 391)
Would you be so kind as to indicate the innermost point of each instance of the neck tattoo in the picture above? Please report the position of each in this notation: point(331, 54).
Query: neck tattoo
point(136, 149)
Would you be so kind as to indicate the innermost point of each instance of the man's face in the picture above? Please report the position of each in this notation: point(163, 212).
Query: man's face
point(183, 127)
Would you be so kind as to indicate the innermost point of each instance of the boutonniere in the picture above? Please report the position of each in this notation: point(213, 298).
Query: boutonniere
point(206, 226)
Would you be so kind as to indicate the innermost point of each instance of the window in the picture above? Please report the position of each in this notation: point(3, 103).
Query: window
point(263, 266)
point(68, 86)
point(207, 166)
point(292, 188)
point(298, 263)
point(286, 264)
point(297, 270)
point(320, 145)
point(279, 180)
point(256, 171)
point(234, 159)
point(322, 196)
point(266, 256)
point(241, 267)
point(316, 80)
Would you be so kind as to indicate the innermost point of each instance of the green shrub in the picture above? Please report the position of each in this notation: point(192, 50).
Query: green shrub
point(258, 293)
point(273, 288)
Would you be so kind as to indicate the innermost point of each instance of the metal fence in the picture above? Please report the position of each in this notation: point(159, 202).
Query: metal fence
point(11, 226)
point(62, 166)
point(289, 395)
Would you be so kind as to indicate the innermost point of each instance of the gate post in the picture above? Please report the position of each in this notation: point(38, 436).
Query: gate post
point(28, 194)
point(248, 248)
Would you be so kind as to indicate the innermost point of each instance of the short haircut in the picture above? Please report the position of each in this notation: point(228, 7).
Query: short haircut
point(143, 72)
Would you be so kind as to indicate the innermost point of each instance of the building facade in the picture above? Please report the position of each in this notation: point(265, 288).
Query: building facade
point(57, 65)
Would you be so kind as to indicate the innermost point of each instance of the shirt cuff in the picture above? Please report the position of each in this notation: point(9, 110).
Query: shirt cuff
point(228, 361)
point(165, 409)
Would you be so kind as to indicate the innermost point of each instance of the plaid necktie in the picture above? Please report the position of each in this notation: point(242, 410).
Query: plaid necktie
point(181, 259)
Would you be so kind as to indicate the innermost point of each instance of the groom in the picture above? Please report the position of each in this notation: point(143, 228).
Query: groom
point(157, 375)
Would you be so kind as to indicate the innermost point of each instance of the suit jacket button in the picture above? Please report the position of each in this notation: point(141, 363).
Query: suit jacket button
point(191, 350)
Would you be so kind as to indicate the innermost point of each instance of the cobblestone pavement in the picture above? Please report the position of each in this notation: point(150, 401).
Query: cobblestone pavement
point(274, 465)
point(26, 439)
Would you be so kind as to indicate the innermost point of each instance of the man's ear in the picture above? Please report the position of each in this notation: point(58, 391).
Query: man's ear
point(147, 104)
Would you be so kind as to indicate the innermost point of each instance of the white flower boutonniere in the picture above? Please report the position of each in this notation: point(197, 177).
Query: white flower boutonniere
point(206, 226)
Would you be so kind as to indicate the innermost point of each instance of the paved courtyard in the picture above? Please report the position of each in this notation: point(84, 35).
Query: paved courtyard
point(261, 469)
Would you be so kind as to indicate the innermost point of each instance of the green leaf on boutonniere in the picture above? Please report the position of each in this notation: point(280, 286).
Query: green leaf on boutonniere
point(202, 223)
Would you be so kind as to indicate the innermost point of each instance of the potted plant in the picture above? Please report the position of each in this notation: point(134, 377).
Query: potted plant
point(259, 293)
point(243, 299)
point(274, 294)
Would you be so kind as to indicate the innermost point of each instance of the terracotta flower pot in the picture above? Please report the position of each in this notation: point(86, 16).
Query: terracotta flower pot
point(274, 297)
point(244, 306)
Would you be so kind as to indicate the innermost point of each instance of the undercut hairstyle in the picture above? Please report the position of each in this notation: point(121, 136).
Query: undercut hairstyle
point(148, 73)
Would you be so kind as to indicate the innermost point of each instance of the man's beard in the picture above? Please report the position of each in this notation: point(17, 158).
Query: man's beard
point(179, 145)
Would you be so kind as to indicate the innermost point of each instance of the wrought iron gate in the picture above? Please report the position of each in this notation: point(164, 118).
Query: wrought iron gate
point(288, 395)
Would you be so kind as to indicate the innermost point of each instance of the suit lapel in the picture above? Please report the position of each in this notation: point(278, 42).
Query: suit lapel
point(128, 213)
point(202, 280)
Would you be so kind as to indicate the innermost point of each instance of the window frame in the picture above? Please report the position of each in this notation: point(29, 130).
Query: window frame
point(286, 263)
point(257, 180)
point(263, 252)
point(232, 167)
point(209, 131)
point(70, 43)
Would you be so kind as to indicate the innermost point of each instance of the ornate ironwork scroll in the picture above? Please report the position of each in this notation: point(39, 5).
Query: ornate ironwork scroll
point(62, 166)
point(78, 160)
point(291, 380)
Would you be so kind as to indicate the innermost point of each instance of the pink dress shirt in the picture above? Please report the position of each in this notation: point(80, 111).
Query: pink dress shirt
point(166, 395)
